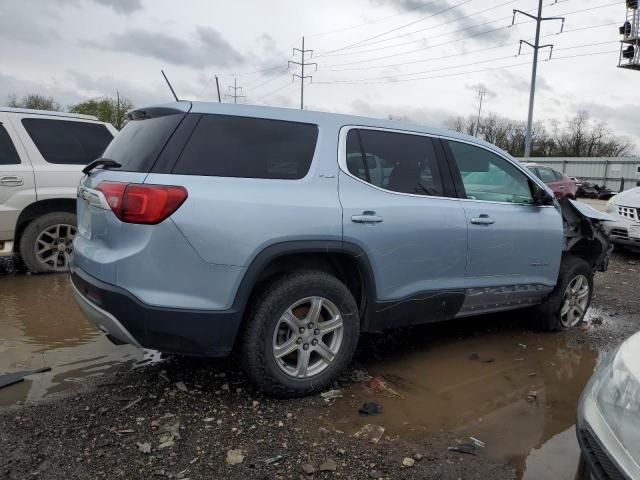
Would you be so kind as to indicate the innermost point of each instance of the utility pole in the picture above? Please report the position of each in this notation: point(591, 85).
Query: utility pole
point(235, 89)
point(481, 93)
point(218, 89)
point(118, 116)
point(302, 64)
point(536, 46)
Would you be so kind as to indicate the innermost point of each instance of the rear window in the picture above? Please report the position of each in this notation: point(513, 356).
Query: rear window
point(231, 146)
point(8, 154)
point(139, 143)
point(66, 141)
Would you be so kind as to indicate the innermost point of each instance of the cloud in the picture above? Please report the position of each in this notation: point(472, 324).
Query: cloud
point(420, 115)
point(122, 6)
point(481, 86)
point(210, 48)
point(26, 22)
point(522, 84)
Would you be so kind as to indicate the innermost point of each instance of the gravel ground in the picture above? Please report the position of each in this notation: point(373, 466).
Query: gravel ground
point(185, 418)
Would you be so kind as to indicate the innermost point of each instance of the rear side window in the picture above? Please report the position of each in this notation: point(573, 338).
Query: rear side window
point(67, 142)
point(398, 162)
point(230, 146)
point(8, 154)
point(139, 143)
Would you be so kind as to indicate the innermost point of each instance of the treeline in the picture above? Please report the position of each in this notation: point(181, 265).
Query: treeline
point(578, 136)
point(107, 109)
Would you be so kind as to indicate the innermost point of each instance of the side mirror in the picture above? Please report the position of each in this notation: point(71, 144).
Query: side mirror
point(540, 196)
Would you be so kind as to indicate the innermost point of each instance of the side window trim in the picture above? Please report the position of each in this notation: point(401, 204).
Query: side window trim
point(445, 174)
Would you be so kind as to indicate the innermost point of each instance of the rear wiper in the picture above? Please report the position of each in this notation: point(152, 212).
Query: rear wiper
point(101, 162)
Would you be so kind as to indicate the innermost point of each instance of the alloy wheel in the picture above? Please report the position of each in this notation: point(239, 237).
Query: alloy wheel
point(574, 301)
point(54, 246)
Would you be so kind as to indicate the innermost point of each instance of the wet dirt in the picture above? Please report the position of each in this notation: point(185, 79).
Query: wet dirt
point(514, 390)
point(41, 326)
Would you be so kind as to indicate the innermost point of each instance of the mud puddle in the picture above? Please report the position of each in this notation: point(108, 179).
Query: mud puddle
point(514, 390)
point(41, 326)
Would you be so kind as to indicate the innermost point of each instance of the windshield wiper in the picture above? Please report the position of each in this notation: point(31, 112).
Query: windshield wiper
point(105, 163)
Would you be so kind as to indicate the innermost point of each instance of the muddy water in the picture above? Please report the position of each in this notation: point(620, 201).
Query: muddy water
point(476, 382)
point(41, 326)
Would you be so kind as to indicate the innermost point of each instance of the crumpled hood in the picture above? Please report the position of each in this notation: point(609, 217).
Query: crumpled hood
point(589, 212)
point(629, 198)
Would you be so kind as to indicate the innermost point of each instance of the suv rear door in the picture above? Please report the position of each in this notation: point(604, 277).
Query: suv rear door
point(395, 194)
point(514, 246)
point(17, 186)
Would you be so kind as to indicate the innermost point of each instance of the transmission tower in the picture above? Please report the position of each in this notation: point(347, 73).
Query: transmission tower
point(481, 94)
point(235, 89)
point(536, 46)
point(630, 43)
point(302, 64)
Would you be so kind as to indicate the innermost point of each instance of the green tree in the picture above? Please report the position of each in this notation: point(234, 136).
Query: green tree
point(33, 100)
point(107, 109)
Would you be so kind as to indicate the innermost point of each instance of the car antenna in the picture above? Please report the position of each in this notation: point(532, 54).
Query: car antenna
point(170, 87)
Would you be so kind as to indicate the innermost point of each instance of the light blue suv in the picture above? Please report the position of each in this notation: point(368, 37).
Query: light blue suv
point(282, 234)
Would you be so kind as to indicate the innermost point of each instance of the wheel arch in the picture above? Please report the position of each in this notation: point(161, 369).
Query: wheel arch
point(347, 261)
point(37, 209)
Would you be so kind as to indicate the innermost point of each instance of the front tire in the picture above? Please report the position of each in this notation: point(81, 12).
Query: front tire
point(302, 331)
point(567, 305)
point(46, 243)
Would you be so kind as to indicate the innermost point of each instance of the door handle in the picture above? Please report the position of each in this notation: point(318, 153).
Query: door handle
point(11, 181)
point(483, 219)
point(367, 217)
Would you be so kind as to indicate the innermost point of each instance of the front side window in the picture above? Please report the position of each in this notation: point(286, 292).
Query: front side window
point(489, 177)
point(8, 154)
point(230, 146)
point(398, 162)
point(66, 141)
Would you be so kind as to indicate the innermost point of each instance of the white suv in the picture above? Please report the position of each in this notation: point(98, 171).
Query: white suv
point(42, 154)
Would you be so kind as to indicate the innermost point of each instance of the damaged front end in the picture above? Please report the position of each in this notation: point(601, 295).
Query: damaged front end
point(584, 234)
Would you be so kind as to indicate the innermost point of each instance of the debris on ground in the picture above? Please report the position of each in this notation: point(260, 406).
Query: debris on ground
point(235, 457)
point(371, 433)
point(17, 377)
point(478, 443)
point(532, 396)
point(273, 460)
point(474, 356)
point(308, 469)
point(331, 395)
point(182, 387)
point(468, 448)
point(144, 447)
point(170, 432)
point(369, 408)
point(380, 386)
point(408, 462)
point(131, 404)
point(329, 465)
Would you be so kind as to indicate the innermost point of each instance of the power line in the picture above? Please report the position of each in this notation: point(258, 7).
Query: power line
point(327, 68)
point(401, 27)
point(359, 82)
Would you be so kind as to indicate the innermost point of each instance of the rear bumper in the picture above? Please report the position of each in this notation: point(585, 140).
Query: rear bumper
point(123, 316)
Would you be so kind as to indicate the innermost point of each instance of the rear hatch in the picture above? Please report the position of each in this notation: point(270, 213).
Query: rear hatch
point(103, 238)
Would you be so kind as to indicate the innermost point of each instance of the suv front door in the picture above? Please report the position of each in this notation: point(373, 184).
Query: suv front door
point(515, 246)
point(17, 187)
point(394, 194)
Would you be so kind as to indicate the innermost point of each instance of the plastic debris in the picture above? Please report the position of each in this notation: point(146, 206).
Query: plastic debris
point(371, 433)
point(331, 395)
point(369, 408)
point(468, 448)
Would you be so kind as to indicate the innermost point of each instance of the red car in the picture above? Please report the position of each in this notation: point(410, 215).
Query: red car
point(561, 184)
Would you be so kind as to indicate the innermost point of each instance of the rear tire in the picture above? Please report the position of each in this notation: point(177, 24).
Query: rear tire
point(46, 243)
point(569, 301)
point(301, 332)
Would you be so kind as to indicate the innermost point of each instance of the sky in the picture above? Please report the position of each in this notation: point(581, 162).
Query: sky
point(421, 60)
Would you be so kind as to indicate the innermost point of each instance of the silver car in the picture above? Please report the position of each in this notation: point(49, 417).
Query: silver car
point(41, 158)
point(624, 208)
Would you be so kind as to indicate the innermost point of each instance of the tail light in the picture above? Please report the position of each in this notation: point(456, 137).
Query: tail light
point(142, 203)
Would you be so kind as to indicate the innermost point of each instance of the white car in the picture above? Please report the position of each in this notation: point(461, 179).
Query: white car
point(42, 154)
point(609, 417)
point(625, 210)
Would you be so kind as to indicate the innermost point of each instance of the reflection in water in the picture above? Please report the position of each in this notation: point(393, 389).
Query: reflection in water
point(514, 390)
point(40, 325)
